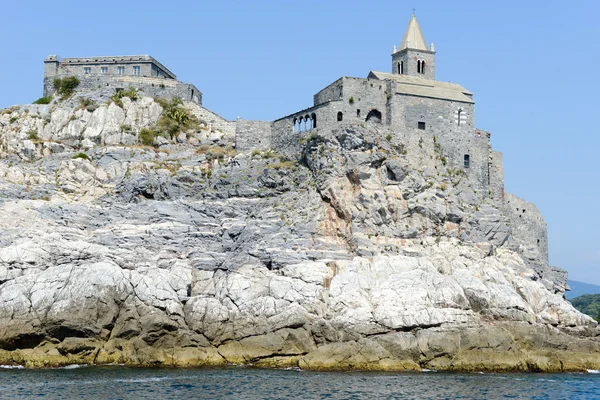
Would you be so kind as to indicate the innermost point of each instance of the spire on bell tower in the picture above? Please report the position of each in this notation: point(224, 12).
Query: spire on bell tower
point(413, 58)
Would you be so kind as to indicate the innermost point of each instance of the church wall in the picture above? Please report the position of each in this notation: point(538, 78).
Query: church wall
point(330, 93)
point(441, 122)
point(410, 58)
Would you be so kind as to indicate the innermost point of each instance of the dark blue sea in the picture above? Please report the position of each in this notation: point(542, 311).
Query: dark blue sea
point(247, 383)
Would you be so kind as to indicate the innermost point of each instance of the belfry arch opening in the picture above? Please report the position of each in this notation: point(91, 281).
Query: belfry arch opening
point(374, 116)
point(340, 116)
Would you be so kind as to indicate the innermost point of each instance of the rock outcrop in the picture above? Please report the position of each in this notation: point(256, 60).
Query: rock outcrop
point(189, 254)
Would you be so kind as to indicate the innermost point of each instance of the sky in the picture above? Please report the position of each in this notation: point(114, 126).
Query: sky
point(532, 66)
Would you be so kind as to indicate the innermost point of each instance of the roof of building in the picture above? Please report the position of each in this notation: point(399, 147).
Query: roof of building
point(413, 38)
point(416, 86)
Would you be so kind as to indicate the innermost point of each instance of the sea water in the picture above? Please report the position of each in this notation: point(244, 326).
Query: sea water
point(247, 383)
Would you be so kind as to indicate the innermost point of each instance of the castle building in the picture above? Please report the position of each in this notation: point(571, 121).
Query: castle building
point(408, 101)
point(111, 74)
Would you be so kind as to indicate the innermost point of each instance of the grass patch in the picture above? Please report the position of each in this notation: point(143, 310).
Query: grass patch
point(282, 165)
point(33, 136)
point(43, 100)
point(82, 156)
point(216, 152)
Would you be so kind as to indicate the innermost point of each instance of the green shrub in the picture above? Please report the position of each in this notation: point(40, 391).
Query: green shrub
point(147, 136)
point(43, 100)
point(175, 118)
point(12, 120)
point(126, 128)
point(388, 137)
point(82, 156)
point(88, 104)
point(65, 87)
point(131, 93)
point(32, 135)
point(255, 152)
point(351, 100)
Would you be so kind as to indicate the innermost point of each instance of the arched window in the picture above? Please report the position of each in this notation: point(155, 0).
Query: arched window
point(340, 116)
point(402, 67)
point(314, 120)
point(419, 66)
point(423, 66)
point(467, 162)
point(296, 126)
point(460, 112)
point(374, 116)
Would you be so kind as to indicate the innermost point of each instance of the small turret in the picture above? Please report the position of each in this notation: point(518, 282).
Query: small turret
point(51, 65)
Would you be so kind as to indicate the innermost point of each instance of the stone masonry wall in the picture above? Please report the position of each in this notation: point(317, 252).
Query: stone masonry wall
point(330, 93)
point(528, 227)
point(410, 58)
point(441, 122)
point(153, 87)
point(252, 135)
point(214, 120)
point(496, 175)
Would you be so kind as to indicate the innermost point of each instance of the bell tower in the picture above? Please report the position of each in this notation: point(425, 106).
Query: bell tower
point(413, 58)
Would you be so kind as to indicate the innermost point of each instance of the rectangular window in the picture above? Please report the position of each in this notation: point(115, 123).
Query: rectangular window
point(121, 70)
point(104, 70)
point(87, 70)
point(136, 70)
point(421, 125)
point(467, 161)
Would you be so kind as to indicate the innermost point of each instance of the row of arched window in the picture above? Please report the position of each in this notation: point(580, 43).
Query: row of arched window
point(305, 123)
point(420, 67)
point(373, 115)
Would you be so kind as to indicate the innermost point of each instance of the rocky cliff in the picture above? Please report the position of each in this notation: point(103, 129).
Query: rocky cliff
point(366, 254)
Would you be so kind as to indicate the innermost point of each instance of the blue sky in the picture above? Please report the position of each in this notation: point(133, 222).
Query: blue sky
point(532, 66)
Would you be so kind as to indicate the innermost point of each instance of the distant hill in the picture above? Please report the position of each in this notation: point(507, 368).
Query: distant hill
point(580, 288)
point(588, 304)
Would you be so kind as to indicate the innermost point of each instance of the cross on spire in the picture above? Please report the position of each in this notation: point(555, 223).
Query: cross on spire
point(414, 10)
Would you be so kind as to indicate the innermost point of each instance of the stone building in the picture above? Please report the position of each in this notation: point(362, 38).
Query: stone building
point(407, 104)
point(111, 74)
point(411, 103)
